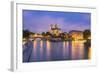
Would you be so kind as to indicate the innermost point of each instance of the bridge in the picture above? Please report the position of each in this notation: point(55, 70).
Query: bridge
point(38, 36)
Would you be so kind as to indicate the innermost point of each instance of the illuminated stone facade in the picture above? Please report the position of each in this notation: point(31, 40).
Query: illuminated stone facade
point(55, 30)
point(76, 35)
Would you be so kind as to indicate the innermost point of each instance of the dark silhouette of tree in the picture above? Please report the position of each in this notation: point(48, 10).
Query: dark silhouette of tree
point(31, 33)
point(62, 35)
point(86, 34)
point(43, 33)
point(26, 33)
point(48, 33)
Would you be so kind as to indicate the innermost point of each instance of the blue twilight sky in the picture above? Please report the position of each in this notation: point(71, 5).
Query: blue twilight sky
point(39, 21)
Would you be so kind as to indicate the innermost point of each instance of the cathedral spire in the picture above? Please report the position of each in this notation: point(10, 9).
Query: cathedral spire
point(56, 26)
point(51, 26)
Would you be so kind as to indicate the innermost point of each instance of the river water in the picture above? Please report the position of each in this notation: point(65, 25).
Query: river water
point(42, 50)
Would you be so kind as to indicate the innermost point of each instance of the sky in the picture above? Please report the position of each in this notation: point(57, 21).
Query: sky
point(39, 21)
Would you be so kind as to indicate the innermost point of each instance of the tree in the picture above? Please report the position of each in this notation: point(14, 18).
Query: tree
point(43, 33)
point(26, 33)
point(31, 33)
point(48, 33)
point(86, 34)
point(63, 35)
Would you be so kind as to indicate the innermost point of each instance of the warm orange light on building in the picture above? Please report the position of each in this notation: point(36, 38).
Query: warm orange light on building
point(76, 35)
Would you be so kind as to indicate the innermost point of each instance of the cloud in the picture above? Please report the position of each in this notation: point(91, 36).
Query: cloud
point(41, 23)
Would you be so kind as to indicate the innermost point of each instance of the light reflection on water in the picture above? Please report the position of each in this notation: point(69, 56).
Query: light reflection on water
point(54, 51)
point(77, 50)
